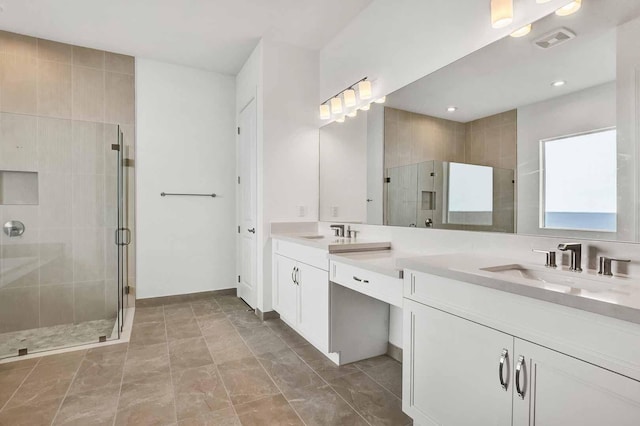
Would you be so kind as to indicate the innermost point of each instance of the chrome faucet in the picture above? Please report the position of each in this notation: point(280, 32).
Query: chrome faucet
point(605, 265)
point(576, 255)
point(338, 230)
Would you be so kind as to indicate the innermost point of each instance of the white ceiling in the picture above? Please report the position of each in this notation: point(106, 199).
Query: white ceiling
point(216, 35)
point(514, 72)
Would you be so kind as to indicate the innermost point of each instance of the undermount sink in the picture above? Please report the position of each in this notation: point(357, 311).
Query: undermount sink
point(313, 237)
point(549, 278)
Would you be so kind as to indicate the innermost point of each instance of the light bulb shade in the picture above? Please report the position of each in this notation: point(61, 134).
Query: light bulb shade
point(349, 96)
point(542, 1)
point(381, 100)
point(569, 9)
point(522, 31)
point(501, 13)
point(325, 112)
point(366, 107)
point(336, 105)
point(353, 113)
point(340, 120)
point(364, 89)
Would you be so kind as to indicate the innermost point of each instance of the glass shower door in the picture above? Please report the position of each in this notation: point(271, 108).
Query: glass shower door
point(122, 234)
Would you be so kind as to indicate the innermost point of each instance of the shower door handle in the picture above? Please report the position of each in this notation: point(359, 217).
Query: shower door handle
point(127, 240)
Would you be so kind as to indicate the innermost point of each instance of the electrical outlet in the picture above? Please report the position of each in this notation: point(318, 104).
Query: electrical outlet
point(334, 211)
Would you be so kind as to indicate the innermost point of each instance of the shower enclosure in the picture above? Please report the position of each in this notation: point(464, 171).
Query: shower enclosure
point(63, 249)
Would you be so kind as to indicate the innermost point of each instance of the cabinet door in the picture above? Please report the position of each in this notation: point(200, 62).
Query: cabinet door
point(451, 370)
point(285, 298)
point(313, 314)
point(563, 391)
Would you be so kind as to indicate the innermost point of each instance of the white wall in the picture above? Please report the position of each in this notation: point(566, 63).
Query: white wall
point(395, 42)
point(586, 110)
point(343, 171)
point(185, 143)
point(284, 80)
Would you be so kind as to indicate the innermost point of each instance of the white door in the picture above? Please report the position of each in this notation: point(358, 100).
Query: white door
point(247, 172)
point(313, 314)
point(286, 288)
point(563, 391)
point(451, 370)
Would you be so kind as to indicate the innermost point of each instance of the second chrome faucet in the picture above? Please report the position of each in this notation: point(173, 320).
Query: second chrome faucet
point(576, 255)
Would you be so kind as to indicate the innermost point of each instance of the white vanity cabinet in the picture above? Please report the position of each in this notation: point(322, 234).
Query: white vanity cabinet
point(301, 292)
point(457, 336)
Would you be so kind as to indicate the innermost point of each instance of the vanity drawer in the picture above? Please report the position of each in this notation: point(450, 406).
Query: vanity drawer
point(309, 255)
point(378, 286)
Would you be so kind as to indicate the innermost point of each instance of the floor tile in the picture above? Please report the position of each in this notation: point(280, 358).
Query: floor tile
point(146, 360)
point(207, 307)
point(246, 380)
point(322, 365)
point(199, 391)
point(274, 408)
point(244, 319)
point(37, 413)
point(9, 382)
point(321, 405)
point(377, 405)
point(45, 382)
point(384, 370)
point(178, 329)
point(189, 353)
point(148, 334)
point(95, 407)
point(228, 347)
point(175, 312)
point(289, 371)
point(286, 333)
point(146, 401)
point(231, 303)
point(151, 314)
point(214, 325)
point(219, 418)
point(100, 368)
point(261, 339)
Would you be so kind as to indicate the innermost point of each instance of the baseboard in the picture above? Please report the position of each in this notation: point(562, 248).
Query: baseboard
point(394, 352)
point(264, 316)
point(181, 298)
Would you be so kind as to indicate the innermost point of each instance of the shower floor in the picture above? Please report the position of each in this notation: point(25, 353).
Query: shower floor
point(56, 337)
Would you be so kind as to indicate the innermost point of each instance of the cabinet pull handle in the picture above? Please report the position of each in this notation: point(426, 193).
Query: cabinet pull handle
point(519, 367)
point(297, 276)
point(503, 358)
point(360, 280)
point(293, 275)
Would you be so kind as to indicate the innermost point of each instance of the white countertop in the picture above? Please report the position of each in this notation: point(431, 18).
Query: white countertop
point(334, 244)
point(619, 298)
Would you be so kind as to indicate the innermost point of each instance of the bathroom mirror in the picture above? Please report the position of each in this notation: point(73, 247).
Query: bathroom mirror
point(535, 134)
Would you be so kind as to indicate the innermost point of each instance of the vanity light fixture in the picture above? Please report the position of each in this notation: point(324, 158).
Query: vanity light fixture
point(501, 13)
point(365, 107)
point(340, 119)
point(542, 1)
point(521, 32)
point(325, 112)
point(558, 83)
point(364, 89)
point(353, 113)
point(452, 109)
point(569, 9)
point(381, 100)
point(349, 96)
point(336, 105)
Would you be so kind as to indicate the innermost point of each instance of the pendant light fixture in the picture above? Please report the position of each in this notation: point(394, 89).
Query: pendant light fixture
point(336, 105)
point(364, 90)
point(366, 107)
point(353, 113)
point(349, 96)
point(325, 112)
point(501, 13)
point(569, 9)
point(340, 119)
point(381, 100)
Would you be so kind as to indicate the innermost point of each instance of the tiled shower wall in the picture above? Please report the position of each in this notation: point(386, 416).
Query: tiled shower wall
point(59, 110)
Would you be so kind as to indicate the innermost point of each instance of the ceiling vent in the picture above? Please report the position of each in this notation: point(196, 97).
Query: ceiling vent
point(555, 38)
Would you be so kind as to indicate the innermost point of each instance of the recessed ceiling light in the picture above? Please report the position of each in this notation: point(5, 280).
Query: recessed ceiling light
point(521, 32)
point(452, 109)
point(569, 9)
point(558, 83)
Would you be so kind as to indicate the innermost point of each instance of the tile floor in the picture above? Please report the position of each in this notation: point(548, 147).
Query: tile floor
point(201, 361)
